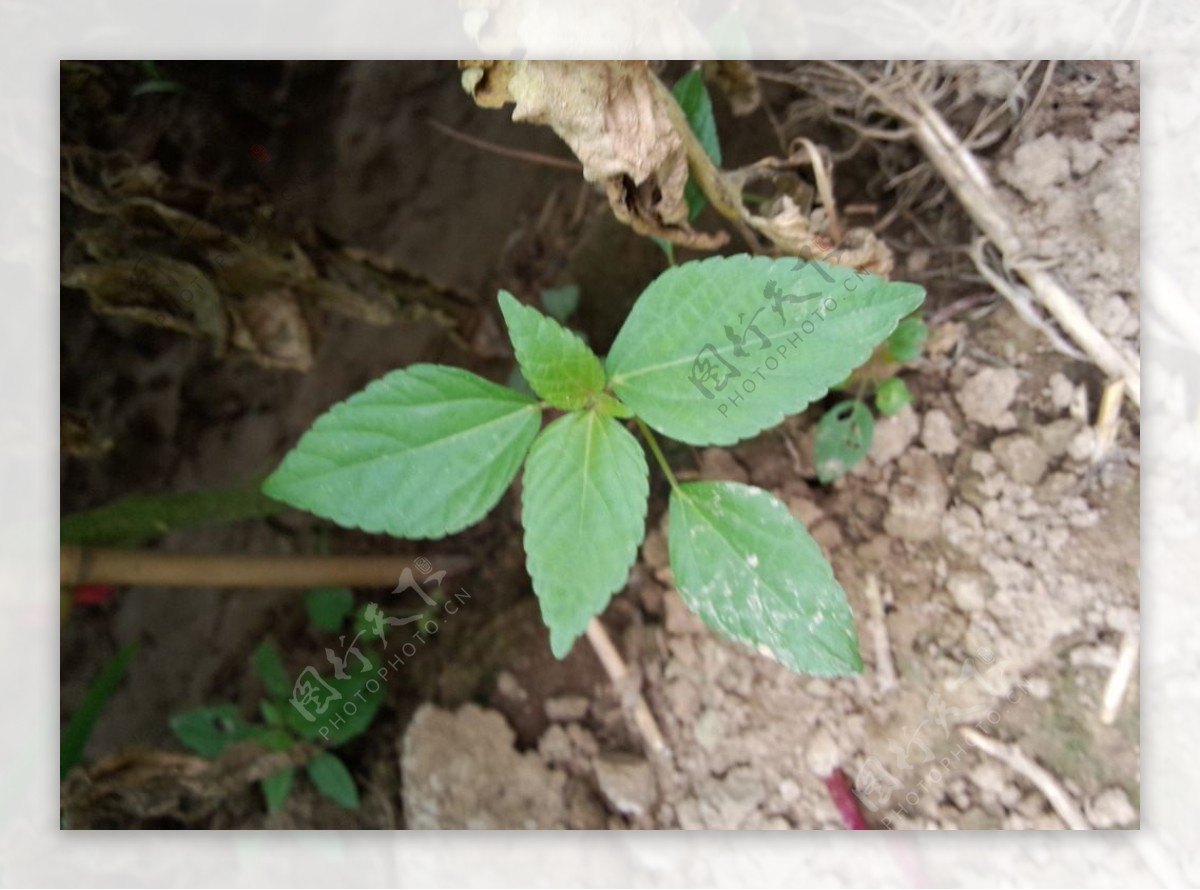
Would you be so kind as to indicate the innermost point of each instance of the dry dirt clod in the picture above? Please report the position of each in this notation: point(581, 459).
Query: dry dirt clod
point(918, 499)
point(986, 397)
point(893, 435)
point(1111, 809)
point(627, 783)
point(460, 770)
point(1037, 166)
point(1021, 458)
point(937, 433)
point(968, 591)
point(719, 464)
point(567, 708)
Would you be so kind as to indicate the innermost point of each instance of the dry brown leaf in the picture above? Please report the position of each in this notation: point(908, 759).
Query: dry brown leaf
point(78, 436)
point(145, 788)
point(862, 249)
point(154, 290)
point(614, 116)
point(735, 78)
point(215, 264)
point(790, 224)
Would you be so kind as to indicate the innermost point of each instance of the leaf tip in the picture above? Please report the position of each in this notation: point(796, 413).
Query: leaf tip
point(562, 642)
point(507, 302)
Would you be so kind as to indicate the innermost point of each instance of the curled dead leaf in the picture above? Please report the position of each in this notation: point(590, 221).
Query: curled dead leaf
point(735, 78)
point(863, 249)
point(149, 788)
point(190, 259)
point(154, 290)
point(618, 120)
point(788, 221)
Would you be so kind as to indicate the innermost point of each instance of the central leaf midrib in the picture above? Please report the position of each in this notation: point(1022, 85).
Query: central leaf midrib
point(408, 452)
point(816, 637)
point(619, 378)
point(587, 461)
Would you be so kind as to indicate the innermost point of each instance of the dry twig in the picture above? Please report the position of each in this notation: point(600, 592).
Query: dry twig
point(90, 565)
point(1054, 792)
point(1118, 680)
point(885, 668)
point(614, 666)
point(973, 188)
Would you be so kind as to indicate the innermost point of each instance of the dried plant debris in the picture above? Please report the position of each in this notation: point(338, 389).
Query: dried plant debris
point(736, 79)
point(619, 121)
point(79, 437)
point(217, 265)
point(153, 789)
point(633, 138)
point(789, 222)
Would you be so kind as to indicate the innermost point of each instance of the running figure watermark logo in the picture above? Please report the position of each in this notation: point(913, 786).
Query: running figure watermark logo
point(875, 784)
point(316, 698)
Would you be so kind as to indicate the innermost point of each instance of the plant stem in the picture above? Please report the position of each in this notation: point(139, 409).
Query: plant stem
point(658, 455)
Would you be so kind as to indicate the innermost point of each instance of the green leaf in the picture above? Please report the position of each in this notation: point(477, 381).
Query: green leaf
point(351, 703)
point(275, 788)
point(751, 571)
point(584, 511)
point(556, 363)
point(274, 737)
point(560, 302)
point(844, 437)
point(907, 340)
point(208, 731)
point(420, 453)
point(333, 780)
point(892, 395)
point(692, 95)
point(79, 729)
point(606, 404)
point(157, 86)
point(328, 607)
point(136, 520)
point(270, 712)
point(715, 351)
point(269, 665)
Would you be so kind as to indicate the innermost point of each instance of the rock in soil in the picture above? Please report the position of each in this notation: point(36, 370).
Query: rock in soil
point(459, 769)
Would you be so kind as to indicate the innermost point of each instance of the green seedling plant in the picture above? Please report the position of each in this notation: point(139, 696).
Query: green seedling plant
point(209, 731)
point(79, 729)
point(713, 352)
point(560, 304)
point(846, 431)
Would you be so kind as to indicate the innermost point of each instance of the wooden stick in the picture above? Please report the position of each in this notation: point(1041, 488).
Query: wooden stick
point(1108, 416)
point(1059, 799)
point(618, 673)
point(516, 154)
point(973, 188)
point(1118, 680)
point(885, 667)
point(152, 568)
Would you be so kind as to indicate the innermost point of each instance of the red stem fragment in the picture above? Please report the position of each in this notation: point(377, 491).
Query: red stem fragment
point(845, 801)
